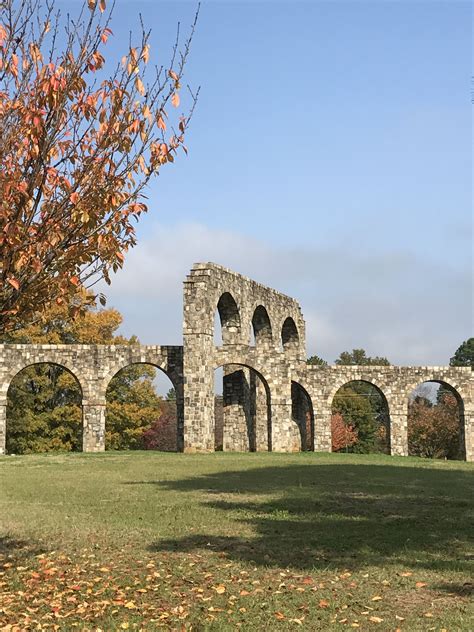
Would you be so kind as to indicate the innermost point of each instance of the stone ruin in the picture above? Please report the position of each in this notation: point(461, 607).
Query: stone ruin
point(272, 399)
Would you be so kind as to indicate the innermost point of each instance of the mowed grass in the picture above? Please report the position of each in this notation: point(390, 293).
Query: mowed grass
point(143, 540)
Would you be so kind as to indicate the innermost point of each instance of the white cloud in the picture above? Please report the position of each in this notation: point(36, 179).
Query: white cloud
point(394, 303)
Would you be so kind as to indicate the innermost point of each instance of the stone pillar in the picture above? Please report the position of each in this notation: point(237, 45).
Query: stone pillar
point(322, 431)
point(198, 393)
point(468, 433)
point(239, 430)
point(93, 426)
point(179, 417)
point(261, 412)
point(3, 428)
point(399, 434)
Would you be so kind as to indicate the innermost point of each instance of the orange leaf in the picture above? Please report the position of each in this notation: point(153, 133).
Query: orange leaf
point(74, 197)
point(14, 282)
point(173, 75)
point(102, 6)
point(91, 4)
point(161, 123)
point(323, 603)
point(175, 99)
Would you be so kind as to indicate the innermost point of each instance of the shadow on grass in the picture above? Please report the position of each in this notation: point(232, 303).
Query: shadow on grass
point(14, 551)
point(310, 516)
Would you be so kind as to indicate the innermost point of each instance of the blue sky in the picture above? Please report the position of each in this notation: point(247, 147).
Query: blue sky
point(330, 157)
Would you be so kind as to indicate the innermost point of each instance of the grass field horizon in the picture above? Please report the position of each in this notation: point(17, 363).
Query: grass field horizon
point(143, 540)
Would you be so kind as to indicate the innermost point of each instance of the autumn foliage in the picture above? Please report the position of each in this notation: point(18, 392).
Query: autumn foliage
point(343, 435)
point(78, 144)
point(434, 429)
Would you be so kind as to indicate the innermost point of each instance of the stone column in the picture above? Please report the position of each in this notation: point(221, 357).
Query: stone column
point(198, 393)
point(179, 417)
point(261, 412)
point(93, 426)
point(3, 428)
point(468, 428)
point(399, 434)
point(239, 431)
point(322, 431)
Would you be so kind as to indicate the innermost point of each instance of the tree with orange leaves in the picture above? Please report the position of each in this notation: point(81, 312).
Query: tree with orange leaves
point(78, 146)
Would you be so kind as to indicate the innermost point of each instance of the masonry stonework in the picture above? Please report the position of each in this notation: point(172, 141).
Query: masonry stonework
point(272, 400)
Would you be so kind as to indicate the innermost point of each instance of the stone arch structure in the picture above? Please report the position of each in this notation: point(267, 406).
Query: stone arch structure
point(229, 315)
point(262, 326)
point(302, 413)
point(93, 366)
point(242, 303)
point(289, 335)
point(465, 418)
point(10, 377)
point(380, 386)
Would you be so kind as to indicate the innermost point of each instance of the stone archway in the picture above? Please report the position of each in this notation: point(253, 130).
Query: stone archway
point(43, 411)
point(246, 410)
point(360, 417)
point(435, 421)
point(302, 414)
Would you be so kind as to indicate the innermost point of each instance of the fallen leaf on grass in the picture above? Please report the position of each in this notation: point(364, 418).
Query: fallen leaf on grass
point(375, 619)
point(420, 584)
point(377, 598)
point(323, 603)
point(279, 615)
point(219, 589)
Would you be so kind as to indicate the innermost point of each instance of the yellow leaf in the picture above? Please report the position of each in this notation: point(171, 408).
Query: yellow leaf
point(375, 619)
point(220, 589)
point(139, 86)
point(130, 605)
point(377, 598)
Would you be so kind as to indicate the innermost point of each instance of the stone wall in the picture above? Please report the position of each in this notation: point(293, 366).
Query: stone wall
point(272, 400)
point(93, 366)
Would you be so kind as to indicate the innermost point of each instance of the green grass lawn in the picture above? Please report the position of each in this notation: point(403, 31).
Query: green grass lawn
point(145, 540)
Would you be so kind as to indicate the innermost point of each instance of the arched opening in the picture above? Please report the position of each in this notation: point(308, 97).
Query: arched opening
point(44, 411)
point(261, 325)
point(436, 422)
point(360, 420)
point(141, 412)
point(289, 335)
point(229, 317)
point(242, 410)
point(303, 415)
